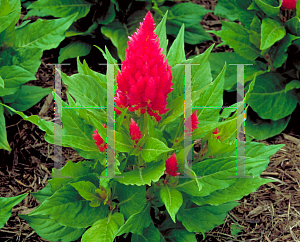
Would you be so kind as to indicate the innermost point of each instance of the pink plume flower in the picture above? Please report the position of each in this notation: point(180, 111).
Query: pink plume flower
point(145, 78)
point(99, 141)
point(135, 132)
point(171, 166)
point(192, 123)
point(288, 4)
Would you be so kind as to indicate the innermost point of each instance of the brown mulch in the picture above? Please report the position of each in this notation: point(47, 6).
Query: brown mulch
point(270, 214)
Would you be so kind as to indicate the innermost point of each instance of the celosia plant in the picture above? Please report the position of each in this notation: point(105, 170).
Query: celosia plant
point(156, 194)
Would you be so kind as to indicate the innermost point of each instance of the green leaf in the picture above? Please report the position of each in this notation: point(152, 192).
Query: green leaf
point(29, 96)
point(205, 218)
point(104, 230)
point(43, 194)
point(293, 25)
point(6, 205)
point(240, 188)
point(172, 200)
point(28, 58)
point(212, 97)
point(153, 148)
point(150, 234)
point(49, 229)
point(279, 54)
point(80, 86)
point(294, 84)
point(269, 99)
point(235, 229)
point(270, 7)
point(161, 32)
point(75, 170)
point(10, 14)
point(61, 8)
point(142, 176)
point(14, 77)
point(137, 222)
point(87, 190)
point(261, 129)
point(189, 14)
point(74, 49)
point(180, 235)
point(237, 37)
point(68, 208)
point(108, 15)
point(116, 32)
point(226, 9)
point(176, 53)
point(43, 34)
point(201, 75)
point(122, 143)
point(131, 199)
point(217, 61)
point(3, 136)
point(44, 125)
point(271, 32)
point(246, 14)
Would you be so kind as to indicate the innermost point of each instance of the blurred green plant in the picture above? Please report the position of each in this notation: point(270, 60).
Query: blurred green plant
point(268, 38)
point(100, 20)
point(21, 49)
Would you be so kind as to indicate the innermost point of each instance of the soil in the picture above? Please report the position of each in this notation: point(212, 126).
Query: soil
point(272, 213)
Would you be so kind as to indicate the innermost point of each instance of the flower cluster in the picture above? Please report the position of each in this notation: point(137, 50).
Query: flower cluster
point(145, 78)
point(99, 141)
point(288, 4)
point(135, 132)
point(216, 132)
point(192, 123)
point(171, 166)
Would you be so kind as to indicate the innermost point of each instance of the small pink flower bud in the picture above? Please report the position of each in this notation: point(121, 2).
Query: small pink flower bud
point(135, 132)
point(171, 166)
point(99, 141)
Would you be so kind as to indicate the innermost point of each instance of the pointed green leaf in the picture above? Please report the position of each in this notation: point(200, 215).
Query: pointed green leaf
point(161, 32)
point(142, 176)
point(44, 34)
point(242, 187)
point(137, 222)
point(104, 230)
point(68, 208)
point(176, 54)
point(153, 148)
point(131, 199)
point(271, 32)
point(172, 200)
point(205, 218)
point(87, 190)
point(6, 205)
point(49, 229)
point(269, 99)
point(62, 8)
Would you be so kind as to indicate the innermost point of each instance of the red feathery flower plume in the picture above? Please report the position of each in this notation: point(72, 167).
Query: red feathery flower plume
point(135, 132)
point(192, 123)
point(145, 79)
point(99, 141)
point(171, 166)
point(216, 132)
point(288, 4)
